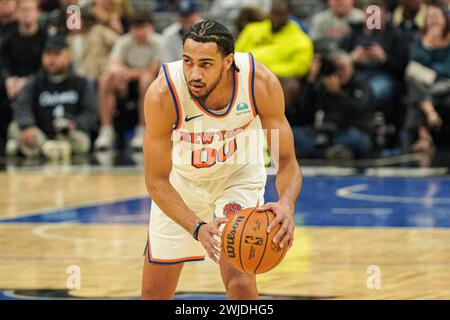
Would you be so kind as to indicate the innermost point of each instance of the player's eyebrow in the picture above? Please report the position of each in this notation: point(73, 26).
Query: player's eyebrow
point(201, 59)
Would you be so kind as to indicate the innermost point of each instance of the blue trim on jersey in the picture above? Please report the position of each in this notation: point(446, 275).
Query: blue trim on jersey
point(252, 89)
point(173, 95)
point(171, 262)
point(177, 262)
point(231, 101)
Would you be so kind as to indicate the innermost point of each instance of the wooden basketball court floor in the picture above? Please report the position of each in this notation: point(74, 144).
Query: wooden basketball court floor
point(53, 217)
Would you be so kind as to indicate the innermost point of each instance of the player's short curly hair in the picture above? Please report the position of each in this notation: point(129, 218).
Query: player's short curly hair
point(212, 31)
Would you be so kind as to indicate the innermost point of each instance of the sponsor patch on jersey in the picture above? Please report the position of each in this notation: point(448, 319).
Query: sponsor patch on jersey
point(231, 208)
point(242, 108)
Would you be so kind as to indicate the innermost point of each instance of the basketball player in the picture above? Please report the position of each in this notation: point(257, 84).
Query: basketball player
point(199, 165)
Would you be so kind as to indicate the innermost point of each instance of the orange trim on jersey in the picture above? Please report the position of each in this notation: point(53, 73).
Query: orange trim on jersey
point(177, 100)
point(250, 83)
point(168, 261)
point(230, 106)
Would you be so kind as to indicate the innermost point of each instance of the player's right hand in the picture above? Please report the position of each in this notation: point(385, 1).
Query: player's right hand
point(206, 235)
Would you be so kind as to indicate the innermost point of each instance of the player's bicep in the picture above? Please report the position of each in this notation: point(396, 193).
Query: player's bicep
point(280, 139)
point(270, 100)
point(158, 133)
point(157, 155)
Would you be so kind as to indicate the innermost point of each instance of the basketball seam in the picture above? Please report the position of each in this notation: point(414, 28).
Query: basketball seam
point(281, 256)
point(240, 241)
point(265, 245)
point(224, 232)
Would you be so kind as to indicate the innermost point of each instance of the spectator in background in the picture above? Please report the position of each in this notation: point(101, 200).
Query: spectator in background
point(21, 51)
point(428, 114)
point(443, 3)
point(248, 15)
point(342, 105)
point(55, 21)
point(281, 45)
point(231, 8)
point(48, 5)
point(8, 23)
point(433, 50)
point(331, 25)
point(165, 5)
point(91, 46)
point(56, 108)
point(135, 61)
point(409, 18)
point(7, 17)
point(381, 56)
point(187, 14)
point(112, 13)
point(228, 12)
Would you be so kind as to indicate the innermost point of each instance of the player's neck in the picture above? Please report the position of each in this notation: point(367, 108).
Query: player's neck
point(220, 97)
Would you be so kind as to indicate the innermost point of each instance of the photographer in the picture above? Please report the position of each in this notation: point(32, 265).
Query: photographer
point(341, 102)
point(57, 109)
point(380, 56)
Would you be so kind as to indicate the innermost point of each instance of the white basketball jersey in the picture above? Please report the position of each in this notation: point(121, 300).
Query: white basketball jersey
point(208, 145)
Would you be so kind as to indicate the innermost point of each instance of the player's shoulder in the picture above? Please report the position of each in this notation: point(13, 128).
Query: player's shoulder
point(267, 89)
point(265, 80)
point(158, 91)
point(159, 103)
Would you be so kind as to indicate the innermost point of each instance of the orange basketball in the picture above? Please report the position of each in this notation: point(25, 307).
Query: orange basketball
point(247, 245)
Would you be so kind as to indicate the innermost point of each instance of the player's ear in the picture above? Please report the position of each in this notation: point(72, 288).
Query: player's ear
point(229, 61)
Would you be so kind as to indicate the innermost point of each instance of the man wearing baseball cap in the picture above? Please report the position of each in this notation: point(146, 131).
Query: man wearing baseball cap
point(188, 13)
point(56, 111)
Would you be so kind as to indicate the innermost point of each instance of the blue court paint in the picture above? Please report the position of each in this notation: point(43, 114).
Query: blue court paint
point(324, 201)
point(375, 202)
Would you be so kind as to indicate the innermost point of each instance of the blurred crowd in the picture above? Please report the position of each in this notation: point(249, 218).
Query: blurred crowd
point(361, 78)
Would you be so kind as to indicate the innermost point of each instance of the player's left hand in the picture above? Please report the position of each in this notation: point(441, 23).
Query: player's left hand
point(284, 214)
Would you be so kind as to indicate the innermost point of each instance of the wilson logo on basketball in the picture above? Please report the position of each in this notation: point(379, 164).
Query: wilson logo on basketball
point(231, 208)
point(231, 236)
point(254, 240)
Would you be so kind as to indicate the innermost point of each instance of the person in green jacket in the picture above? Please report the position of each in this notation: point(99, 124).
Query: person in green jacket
point(281, 45)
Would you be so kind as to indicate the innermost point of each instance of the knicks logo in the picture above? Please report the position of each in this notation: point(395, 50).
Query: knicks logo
point(231, 208)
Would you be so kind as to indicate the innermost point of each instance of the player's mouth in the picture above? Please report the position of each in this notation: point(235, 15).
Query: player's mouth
point(196, 87)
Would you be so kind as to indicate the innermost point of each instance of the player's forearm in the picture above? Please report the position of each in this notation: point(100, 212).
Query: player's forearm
point(171, 203)
point(289, 182)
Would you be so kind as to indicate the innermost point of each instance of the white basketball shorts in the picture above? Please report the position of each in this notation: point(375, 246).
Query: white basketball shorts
point(169, 243)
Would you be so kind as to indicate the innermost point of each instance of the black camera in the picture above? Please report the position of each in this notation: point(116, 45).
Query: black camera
point(327, 67)
point(61, 126)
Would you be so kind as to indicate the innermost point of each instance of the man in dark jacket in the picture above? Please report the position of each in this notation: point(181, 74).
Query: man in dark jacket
point(380, 54)
point(19, 45)
point(7, 17)
point(342, 105)
point(57, 109)
point(21, 49)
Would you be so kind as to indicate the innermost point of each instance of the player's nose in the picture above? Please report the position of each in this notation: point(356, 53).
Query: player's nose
point(196, 74)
